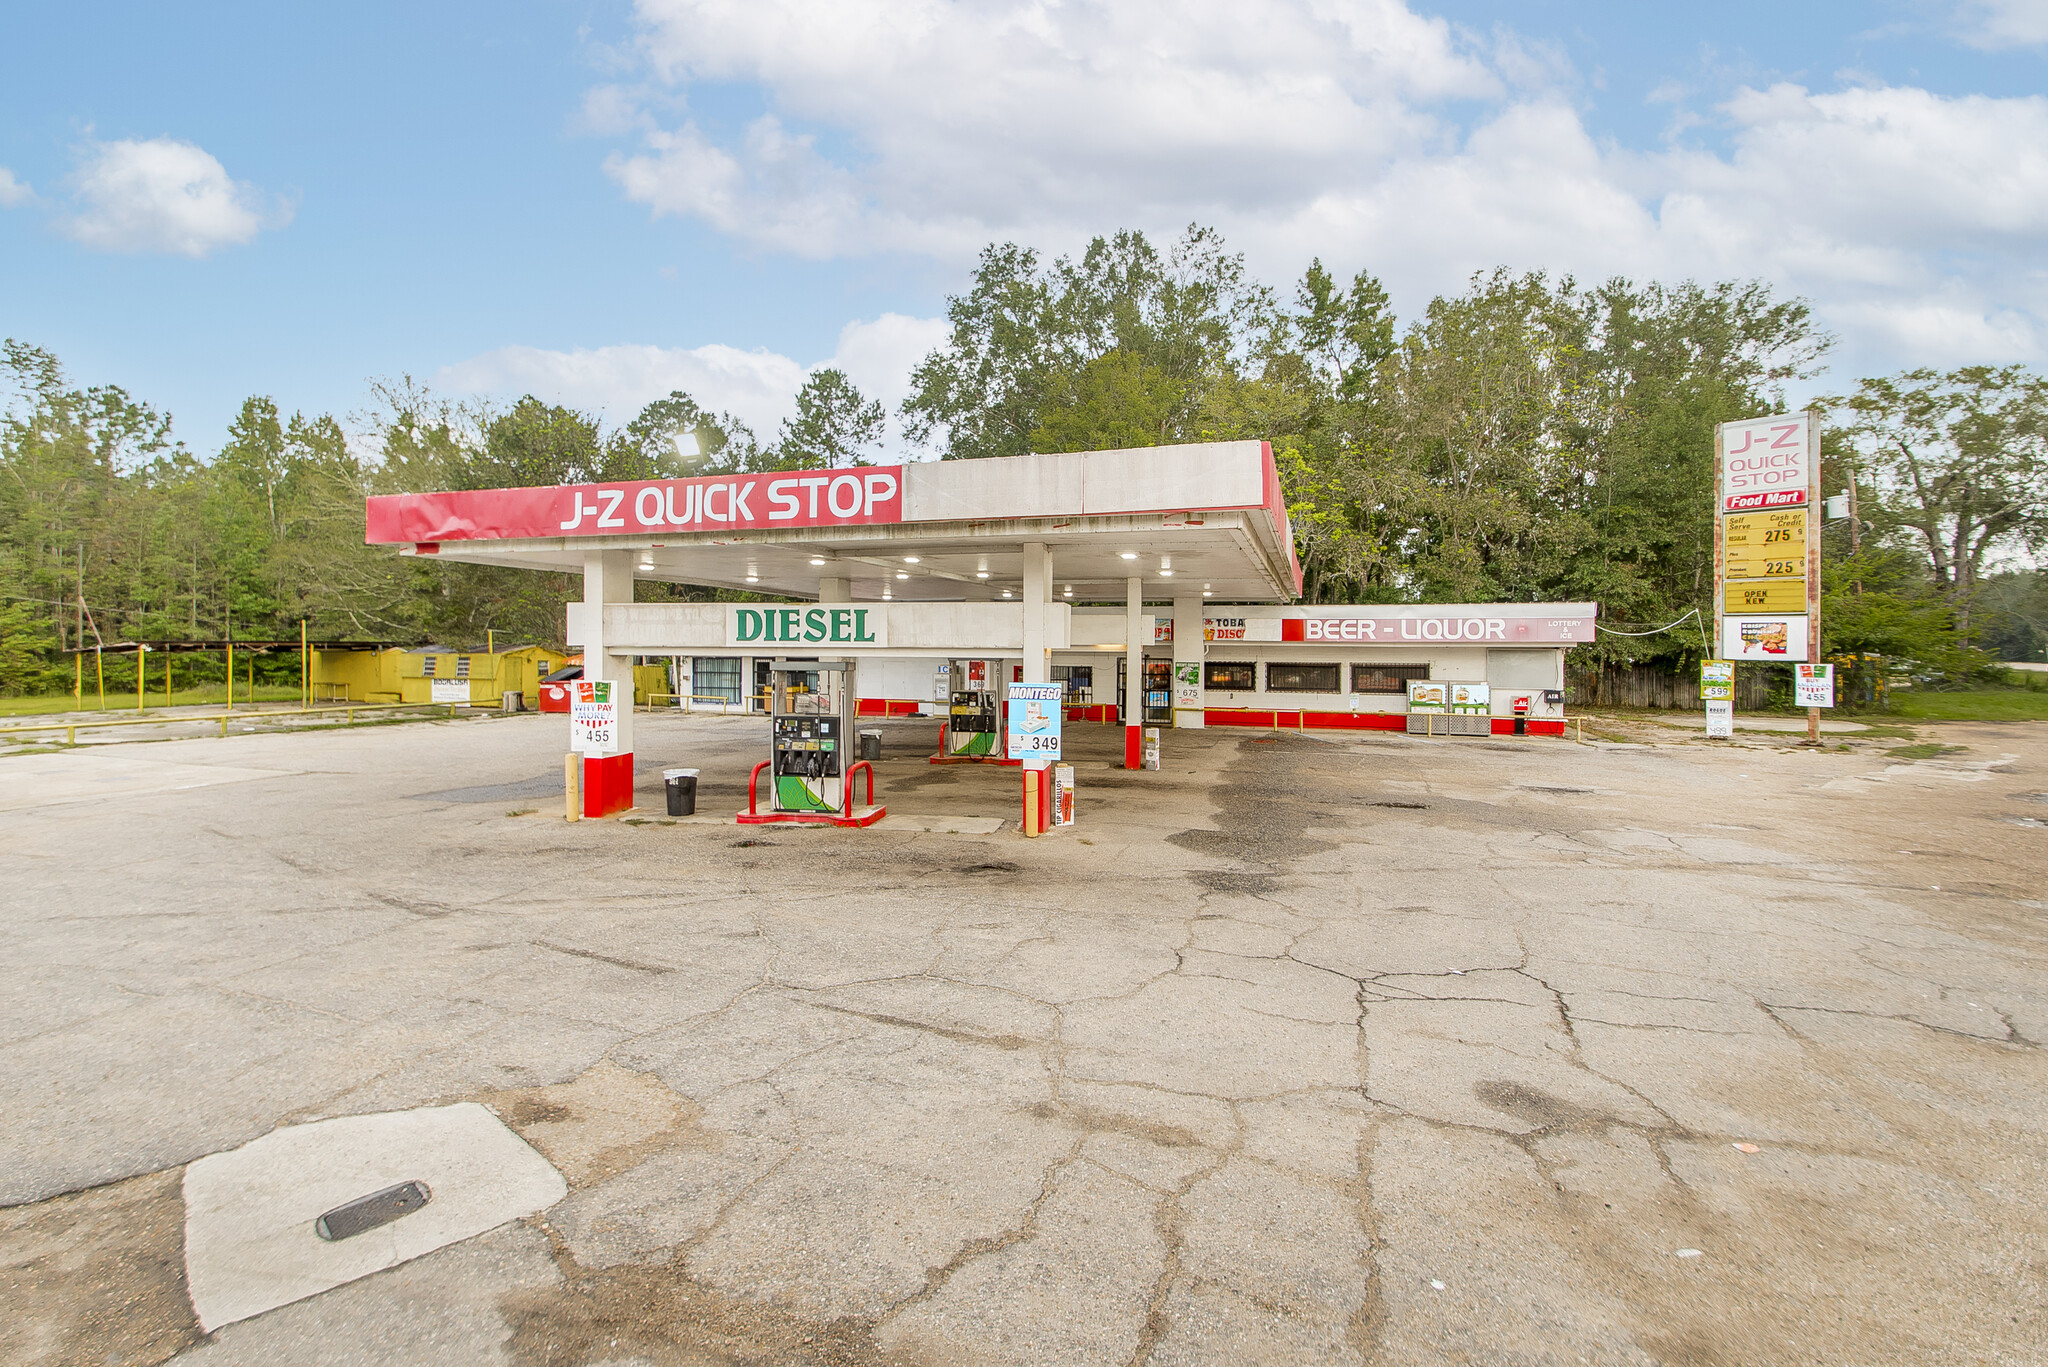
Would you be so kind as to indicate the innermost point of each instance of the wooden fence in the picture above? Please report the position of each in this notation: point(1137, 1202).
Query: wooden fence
point(1649, 686)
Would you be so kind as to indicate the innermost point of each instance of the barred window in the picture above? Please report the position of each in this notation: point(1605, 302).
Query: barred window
point(1385, 678)
point(427, 669)
point(462, 666)
point(1301, 678)
point(1226, 674)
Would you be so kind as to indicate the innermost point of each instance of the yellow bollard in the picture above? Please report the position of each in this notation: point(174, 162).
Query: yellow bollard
point(223, 726)
point(572, 806)
point(99, 664)
point(71, 735)
point(141, 677)
point(78, 680)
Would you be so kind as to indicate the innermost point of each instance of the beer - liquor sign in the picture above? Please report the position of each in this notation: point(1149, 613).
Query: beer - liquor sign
point(1766, 538)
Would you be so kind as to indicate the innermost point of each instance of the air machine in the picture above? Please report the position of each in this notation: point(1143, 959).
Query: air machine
point(811, 763)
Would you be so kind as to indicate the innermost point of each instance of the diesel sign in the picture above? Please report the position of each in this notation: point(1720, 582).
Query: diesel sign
point(806, 626)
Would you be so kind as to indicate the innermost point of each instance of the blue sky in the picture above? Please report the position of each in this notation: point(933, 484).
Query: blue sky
point(600, 201)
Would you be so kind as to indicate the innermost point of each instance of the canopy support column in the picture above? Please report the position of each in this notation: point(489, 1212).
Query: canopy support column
point(608, 779)
point(1037, 592)
point(1137, 630)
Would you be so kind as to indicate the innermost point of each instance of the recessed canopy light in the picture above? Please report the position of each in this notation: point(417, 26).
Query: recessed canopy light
point(1006, 593)
point(1070, 590)
point(1205, 593)
point(817, 560)
point(753, 579)
point(981, 574)
point(1130, 555)
point(901, 575)
point(910, 560)
point(1166, 574)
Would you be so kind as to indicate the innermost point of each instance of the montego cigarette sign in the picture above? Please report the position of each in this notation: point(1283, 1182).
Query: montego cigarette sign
point(827, 626)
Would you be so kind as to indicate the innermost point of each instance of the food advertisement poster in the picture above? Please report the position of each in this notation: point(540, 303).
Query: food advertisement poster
point(1778, 640)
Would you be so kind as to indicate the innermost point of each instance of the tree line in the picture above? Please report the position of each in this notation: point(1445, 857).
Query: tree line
point(1529, 438)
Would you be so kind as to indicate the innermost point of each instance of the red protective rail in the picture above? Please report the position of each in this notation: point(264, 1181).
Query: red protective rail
point(859, 765)
point(750, 785)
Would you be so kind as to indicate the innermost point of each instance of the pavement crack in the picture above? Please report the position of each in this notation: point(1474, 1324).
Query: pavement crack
point(630, 964)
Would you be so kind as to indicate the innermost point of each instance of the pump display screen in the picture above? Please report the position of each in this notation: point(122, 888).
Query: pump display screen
point(973, 713)
point(807, 746)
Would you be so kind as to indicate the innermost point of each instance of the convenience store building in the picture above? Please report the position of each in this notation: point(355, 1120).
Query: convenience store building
point(1159, 584)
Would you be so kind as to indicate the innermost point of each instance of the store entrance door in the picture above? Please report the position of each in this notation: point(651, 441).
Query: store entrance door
point(1158, 691)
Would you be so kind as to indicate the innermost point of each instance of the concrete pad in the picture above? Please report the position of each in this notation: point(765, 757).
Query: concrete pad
point(441, 1308)
point(941, 825)
point(249, 1212)
point(97, 776)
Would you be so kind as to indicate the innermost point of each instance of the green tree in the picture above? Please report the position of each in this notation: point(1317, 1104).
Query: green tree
point(834, 424)
point(1959, 461)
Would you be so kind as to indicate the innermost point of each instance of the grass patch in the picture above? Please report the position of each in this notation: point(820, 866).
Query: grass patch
point(117, 702)
point(1926, 750)
point(1976, 704)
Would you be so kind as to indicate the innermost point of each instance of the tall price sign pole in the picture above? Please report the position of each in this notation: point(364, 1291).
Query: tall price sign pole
point(1767, 543)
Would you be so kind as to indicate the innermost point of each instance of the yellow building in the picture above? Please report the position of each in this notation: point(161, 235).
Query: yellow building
point(411, 676)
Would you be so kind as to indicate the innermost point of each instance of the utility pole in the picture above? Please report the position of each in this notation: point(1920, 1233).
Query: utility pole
point(1855, 529)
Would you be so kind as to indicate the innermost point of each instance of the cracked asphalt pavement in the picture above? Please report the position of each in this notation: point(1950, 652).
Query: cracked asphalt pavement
point(1353, 1049)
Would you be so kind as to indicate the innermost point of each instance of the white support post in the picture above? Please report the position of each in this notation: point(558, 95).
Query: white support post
point(1037, 592)
point(834, 589)
point(1137, 635)
point(1189, 648)
point(608, 578)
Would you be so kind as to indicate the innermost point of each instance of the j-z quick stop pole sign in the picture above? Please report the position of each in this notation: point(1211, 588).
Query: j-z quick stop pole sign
point(1766, 539)
point(1036, 710)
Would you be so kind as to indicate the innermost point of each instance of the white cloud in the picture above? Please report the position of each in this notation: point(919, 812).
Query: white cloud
point(757, 386)
point(1354, 130)
point(1994, 24)
point(12, 191)
point(163, 195)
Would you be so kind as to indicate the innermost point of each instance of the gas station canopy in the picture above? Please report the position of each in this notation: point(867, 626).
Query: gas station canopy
point(1206, 519)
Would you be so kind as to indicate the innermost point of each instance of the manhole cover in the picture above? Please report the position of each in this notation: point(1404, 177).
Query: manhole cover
point(368, 1212)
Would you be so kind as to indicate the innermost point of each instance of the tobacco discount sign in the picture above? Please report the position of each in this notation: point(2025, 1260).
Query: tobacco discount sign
point(1766, 539)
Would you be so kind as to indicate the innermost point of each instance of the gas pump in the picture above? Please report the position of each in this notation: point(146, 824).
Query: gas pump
point(1521, 709)
point(974, 722)
point(811, 706)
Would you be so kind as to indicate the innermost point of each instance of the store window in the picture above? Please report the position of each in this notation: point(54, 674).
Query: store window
point(1301, 678)
point(1079, 679)
point(1230, 675)
point(1385, 678)
point(715, 678)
